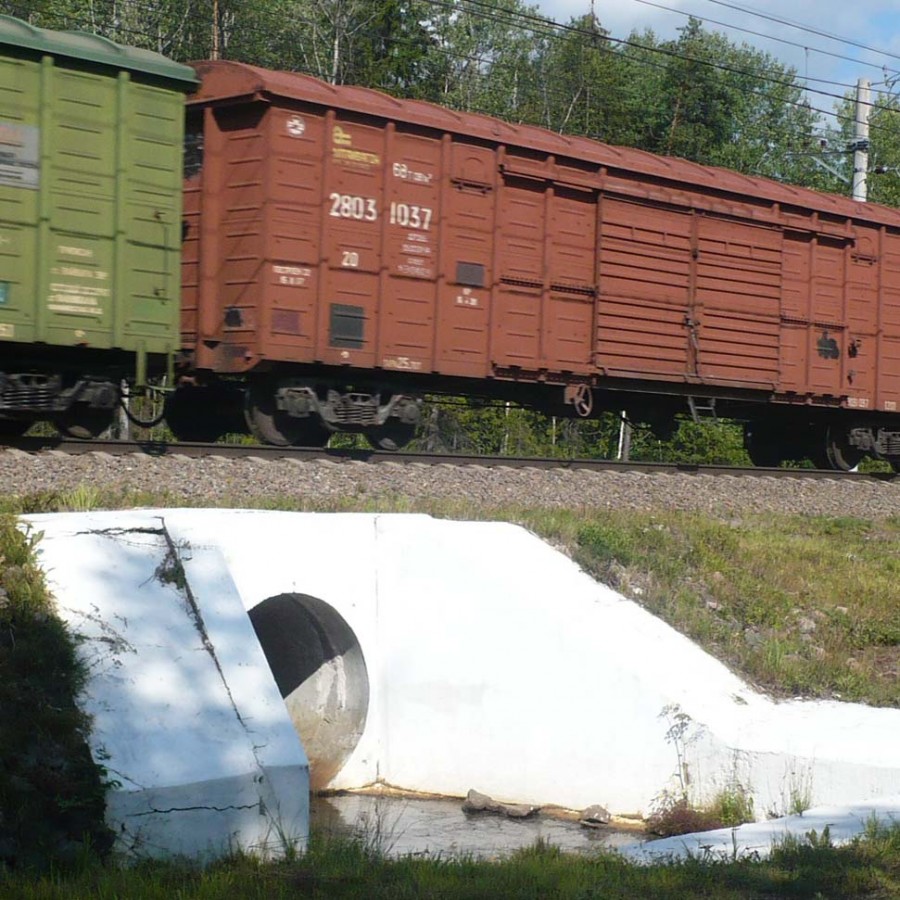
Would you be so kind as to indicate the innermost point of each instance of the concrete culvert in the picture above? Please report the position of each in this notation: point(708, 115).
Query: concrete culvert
point(320, 670)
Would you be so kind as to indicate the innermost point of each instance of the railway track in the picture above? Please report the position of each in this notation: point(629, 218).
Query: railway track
point(35, 445)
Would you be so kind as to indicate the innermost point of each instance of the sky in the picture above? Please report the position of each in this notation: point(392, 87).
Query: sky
point(875, 24)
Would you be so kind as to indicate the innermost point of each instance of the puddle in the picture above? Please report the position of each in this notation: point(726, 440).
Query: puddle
point(402, 826)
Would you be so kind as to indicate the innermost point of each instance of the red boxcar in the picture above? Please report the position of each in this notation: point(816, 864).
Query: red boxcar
point(345, 252)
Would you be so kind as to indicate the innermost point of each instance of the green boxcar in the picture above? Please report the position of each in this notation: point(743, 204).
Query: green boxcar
point(91, 137)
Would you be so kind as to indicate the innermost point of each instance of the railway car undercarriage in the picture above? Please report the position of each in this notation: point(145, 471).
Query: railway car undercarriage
point(298, 411)
point(829, 444)
point(294, 412)
point(80, 406)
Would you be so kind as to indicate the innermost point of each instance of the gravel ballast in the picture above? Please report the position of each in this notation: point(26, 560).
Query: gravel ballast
point(249, 481)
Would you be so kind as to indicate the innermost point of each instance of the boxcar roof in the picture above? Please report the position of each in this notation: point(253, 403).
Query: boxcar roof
point(22, 37)
point(228, 81)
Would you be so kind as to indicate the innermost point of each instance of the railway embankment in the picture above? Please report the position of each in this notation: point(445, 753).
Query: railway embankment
point(452, 654)
point(41, 479)
point(788, 585)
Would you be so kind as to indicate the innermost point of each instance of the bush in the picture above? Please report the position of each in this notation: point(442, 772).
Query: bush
point(51, 790)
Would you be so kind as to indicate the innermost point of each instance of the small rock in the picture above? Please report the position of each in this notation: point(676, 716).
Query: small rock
point(594, 816)
point(476, 802)
point(517, 810)
point(753, 638)
point(806, 625)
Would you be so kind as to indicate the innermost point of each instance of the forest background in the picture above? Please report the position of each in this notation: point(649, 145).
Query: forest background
point(699, 96)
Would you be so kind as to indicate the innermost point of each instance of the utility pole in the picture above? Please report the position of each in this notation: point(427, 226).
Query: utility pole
point(861, 139)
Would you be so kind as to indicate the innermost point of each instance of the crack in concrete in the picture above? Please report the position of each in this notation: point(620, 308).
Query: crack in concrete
point(197, 617)
point(174, 809)
point(122, 777)
point(118, 532)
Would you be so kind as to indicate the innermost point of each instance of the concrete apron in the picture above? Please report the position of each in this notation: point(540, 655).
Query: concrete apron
point(429, 655)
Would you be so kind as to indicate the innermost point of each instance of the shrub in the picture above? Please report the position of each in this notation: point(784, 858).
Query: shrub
point(51, 790)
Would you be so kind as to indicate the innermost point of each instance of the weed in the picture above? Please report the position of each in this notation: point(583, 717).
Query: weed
point(171, 569)
point(797, 794)
point(733, 806)
point(674, 812)
point(83, 498)
point(377, 828)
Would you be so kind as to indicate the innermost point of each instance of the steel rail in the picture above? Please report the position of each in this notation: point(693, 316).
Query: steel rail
point(110, 447)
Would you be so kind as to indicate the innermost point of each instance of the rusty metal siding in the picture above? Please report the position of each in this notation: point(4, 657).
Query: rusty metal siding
point(344, 227)
point(291, 252)
point(827, 335)
point(192, 203)
point(888, 396)
point(737, 303)
point(466, 248)
point(518, 297)
point(544, 302)
point(645, 279)
point(862, 319)
point(410, 262)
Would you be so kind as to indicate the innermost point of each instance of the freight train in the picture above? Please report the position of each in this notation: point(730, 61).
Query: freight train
point(297, 259)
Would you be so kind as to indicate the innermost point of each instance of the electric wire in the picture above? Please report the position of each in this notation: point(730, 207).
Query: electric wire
point(807, 28)
point(659, 50)
point(669, 53)
point(547, 29)
point(772, 37)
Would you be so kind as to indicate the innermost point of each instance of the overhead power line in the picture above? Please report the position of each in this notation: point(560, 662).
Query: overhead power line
point(488, 10)
point(550, 30)
point(807, 28)
point(771, 37)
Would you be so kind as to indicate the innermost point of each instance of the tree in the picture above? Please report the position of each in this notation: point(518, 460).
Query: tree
point(488, 52)
point(729, 105)
point(180, 29)
point(583, 82)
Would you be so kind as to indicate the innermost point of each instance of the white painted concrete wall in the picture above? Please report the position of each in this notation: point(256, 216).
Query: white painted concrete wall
point(186, 715)
point(494, 663)
point(756, 839)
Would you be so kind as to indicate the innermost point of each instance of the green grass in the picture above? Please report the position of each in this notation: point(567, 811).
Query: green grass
point(338, 869)
point(798, 605)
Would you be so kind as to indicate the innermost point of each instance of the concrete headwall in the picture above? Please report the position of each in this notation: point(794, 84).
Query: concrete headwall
point(441, 656)
point(187, 718)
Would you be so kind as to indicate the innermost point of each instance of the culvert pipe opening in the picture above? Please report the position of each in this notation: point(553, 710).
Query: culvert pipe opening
point(319, 668)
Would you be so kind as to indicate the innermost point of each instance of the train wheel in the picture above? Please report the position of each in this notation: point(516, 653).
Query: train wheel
point(391, 436)
point(271, 426)
point(839, 452)
point(84, 423)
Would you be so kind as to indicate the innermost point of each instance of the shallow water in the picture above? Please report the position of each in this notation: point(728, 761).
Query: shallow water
point(403, 826)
